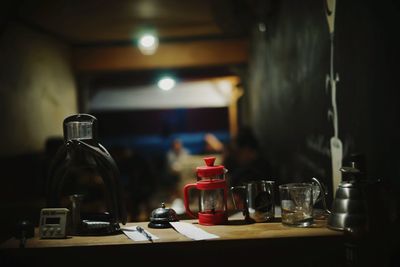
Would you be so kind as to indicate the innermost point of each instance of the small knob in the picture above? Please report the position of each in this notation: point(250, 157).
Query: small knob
point(209, 161)
point(350, 173)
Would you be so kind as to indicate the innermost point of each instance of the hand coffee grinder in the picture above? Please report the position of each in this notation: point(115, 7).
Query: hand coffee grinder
point(85, 173)
point(213, 194)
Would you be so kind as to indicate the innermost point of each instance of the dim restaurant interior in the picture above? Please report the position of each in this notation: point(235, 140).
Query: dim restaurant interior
point(261, 125)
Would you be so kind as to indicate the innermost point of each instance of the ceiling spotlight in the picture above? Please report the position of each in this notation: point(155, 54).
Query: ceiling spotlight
point(148, 44)
point(166, 83)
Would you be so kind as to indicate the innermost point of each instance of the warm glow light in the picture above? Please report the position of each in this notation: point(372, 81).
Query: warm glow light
point(147, 41)
point(148, 44)
point(166, 83)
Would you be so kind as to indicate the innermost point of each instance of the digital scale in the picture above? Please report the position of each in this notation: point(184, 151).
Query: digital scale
point(53, 223)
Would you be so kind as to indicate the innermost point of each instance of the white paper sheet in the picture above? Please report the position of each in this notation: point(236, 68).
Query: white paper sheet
point(191, 231)
point(135, 235)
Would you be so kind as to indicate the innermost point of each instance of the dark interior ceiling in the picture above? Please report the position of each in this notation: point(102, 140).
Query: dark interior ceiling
point(97, 21)
point(200, 36)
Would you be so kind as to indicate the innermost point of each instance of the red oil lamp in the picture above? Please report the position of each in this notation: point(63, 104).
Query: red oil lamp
point(213, 194)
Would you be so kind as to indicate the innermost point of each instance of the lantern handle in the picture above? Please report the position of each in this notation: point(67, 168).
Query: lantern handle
point(186, 199)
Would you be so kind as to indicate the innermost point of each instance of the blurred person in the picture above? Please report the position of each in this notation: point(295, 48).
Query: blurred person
point(177, 156)
point(245, 163)
point(244, 160)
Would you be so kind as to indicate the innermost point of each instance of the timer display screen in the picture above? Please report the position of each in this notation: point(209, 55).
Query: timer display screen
point(53, 220)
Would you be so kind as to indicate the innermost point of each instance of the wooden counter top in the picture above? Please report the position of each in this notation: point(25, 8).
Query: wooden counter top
point(234, 231)
point(239, 245)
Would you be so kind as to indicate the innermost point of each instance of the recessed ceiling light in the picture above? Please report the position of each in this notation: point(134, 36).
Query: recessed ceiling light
point(148, 44)
point(166, 83)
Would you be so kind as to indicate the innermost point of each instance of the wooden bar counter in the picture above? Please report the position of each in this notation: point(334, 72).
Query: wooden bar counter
point(239, 244)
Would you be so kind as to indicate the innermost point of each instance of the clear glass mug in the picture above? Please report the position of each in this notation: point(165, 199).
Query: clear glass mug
point(258, 200)
point(298, 200)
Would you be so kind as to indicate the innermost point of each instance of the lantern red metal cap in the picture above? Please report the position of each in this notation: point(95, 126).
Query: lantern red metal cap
point(210, 170)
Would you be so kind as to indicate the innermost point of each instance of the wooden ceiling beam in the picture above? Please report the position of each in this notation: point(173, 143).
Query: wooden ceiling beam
point(168, 55)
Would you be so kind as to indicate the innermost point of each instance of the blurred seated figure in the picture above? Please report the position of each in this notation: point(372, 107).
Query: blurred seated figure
point(177, 155)
point(244, 160)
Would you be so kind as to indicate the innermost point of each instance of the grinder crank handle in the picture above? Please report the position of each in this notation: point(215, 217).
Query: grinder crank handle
point(186, 199)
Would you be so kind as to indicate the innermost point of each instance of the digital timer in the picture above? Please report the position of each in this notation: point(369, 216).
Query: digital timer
point(53, 223)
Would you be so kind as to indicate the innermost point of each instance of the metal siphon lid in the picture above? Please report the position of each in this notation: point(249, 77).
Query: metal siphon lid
point(80, 127)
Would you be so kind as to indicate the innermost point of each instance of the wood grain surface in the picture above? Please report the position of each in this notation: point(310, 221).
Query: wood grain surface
point(235, 230)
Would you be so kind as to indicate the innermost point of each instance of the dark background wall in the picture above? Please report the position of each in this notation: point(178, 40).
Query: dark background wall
point(288, 105)
point(37, 91)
